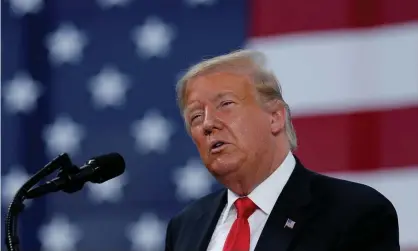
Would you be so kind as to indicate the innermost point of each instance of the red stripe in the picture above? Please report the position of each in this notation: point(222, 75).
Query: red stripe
point(359, 141)
point(273, 17)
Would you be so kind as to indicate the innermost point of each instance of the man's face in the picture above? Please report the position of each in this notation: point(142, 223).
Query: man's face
point(227, 124)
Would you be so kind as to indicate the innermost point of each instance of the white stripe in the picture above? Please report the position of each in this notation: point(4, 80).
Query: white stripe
point(341, 71)
point(400, 186)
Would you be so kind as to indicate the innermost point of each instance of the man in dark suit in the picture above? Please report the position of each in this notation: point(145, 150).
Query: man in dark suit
point(235, 113)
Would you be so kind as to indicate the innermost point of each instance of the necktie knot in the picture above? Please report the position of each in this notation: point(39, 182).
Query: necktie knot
point(245, 207)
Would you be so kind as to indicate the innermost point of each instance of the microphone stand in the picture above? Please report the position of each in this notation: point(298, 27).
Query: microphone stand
point(17, 206)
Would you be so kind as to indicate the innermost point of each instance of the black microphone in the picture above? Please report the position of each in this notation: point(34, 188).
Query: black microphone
point(72, 179)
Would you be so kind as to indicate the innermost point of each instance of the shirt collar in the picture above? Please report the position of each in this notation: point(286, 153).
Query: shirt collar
point(265, 194)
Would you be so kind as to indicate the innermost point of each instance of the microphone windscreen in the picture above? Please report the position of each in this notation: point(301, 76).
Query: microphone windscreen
point(107, 166)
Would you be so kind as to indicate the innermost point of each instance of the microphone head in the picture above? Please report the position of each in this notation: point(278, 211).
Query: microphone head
point(107, 166)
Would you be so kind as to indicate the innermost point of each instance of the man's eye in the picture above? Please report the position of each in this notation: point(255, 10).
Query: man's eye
point(194, 117)
point(225, 103)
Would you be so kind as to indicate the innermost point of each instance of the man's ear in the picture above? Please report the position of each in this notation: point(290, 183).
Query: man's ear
point(278, 116)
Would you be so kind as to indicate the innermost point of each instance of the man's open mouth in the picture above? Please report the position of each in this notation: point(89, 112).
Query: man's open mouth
point(217, 144)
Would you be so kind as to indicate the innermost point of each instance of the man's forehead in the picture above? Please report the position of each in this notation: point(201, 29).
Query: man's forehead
point(217, 84)
point(220, 77)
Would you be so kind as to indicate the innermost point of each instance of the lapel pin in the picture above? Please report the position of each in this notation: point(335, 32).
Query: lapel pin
point(290, 224)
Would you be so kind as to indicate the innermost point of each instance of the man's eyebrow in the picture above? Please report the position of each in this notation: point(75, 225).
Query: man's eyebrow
point(223, 94)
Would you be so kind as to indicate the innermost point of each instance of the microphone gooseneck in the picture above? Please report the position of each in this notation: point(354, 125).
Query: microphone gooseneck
point(17, 206)
point(69, 179)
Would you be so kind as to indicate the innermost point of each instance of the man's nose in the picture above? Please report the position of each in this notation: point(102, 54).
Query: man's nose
point(209, 122)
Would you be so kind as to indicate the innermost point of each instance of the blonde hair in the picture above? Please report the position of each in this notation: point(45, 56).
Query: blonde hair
point(266, 83)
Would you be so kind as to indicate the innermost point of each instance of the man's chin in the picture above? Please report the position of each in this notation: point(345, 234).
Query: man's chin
point(223, 168)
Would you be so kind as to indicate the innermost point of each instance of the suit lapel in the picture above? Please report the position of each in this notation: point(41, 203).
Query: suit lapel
point(207, 221)
point(294, 204)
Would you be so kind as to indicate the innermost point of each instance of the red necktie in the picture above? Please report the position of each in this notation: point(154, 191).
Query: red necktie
point(239, 236)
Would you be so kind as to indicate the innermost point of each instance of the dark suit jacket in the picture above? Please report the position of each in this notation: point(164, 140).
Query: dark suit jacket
point(330, 214)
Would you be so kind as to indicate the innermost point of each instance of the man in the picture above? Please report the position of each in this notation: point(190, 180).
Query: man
point(235, 113)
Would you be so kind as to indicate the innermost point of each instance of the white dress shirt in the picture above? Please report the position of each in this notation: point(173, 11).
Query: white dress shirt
point(264, 196)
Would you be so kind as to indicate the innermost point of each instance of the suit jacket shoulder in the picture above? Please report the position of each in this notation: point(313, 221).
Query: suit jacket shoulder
point(191, 228)
point(196, 208)
point(344, 193)
point(363, 217)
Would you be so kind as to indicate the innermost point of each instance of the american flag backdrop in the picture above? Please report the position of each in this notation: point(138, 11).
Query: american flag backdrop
point(96, 76)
